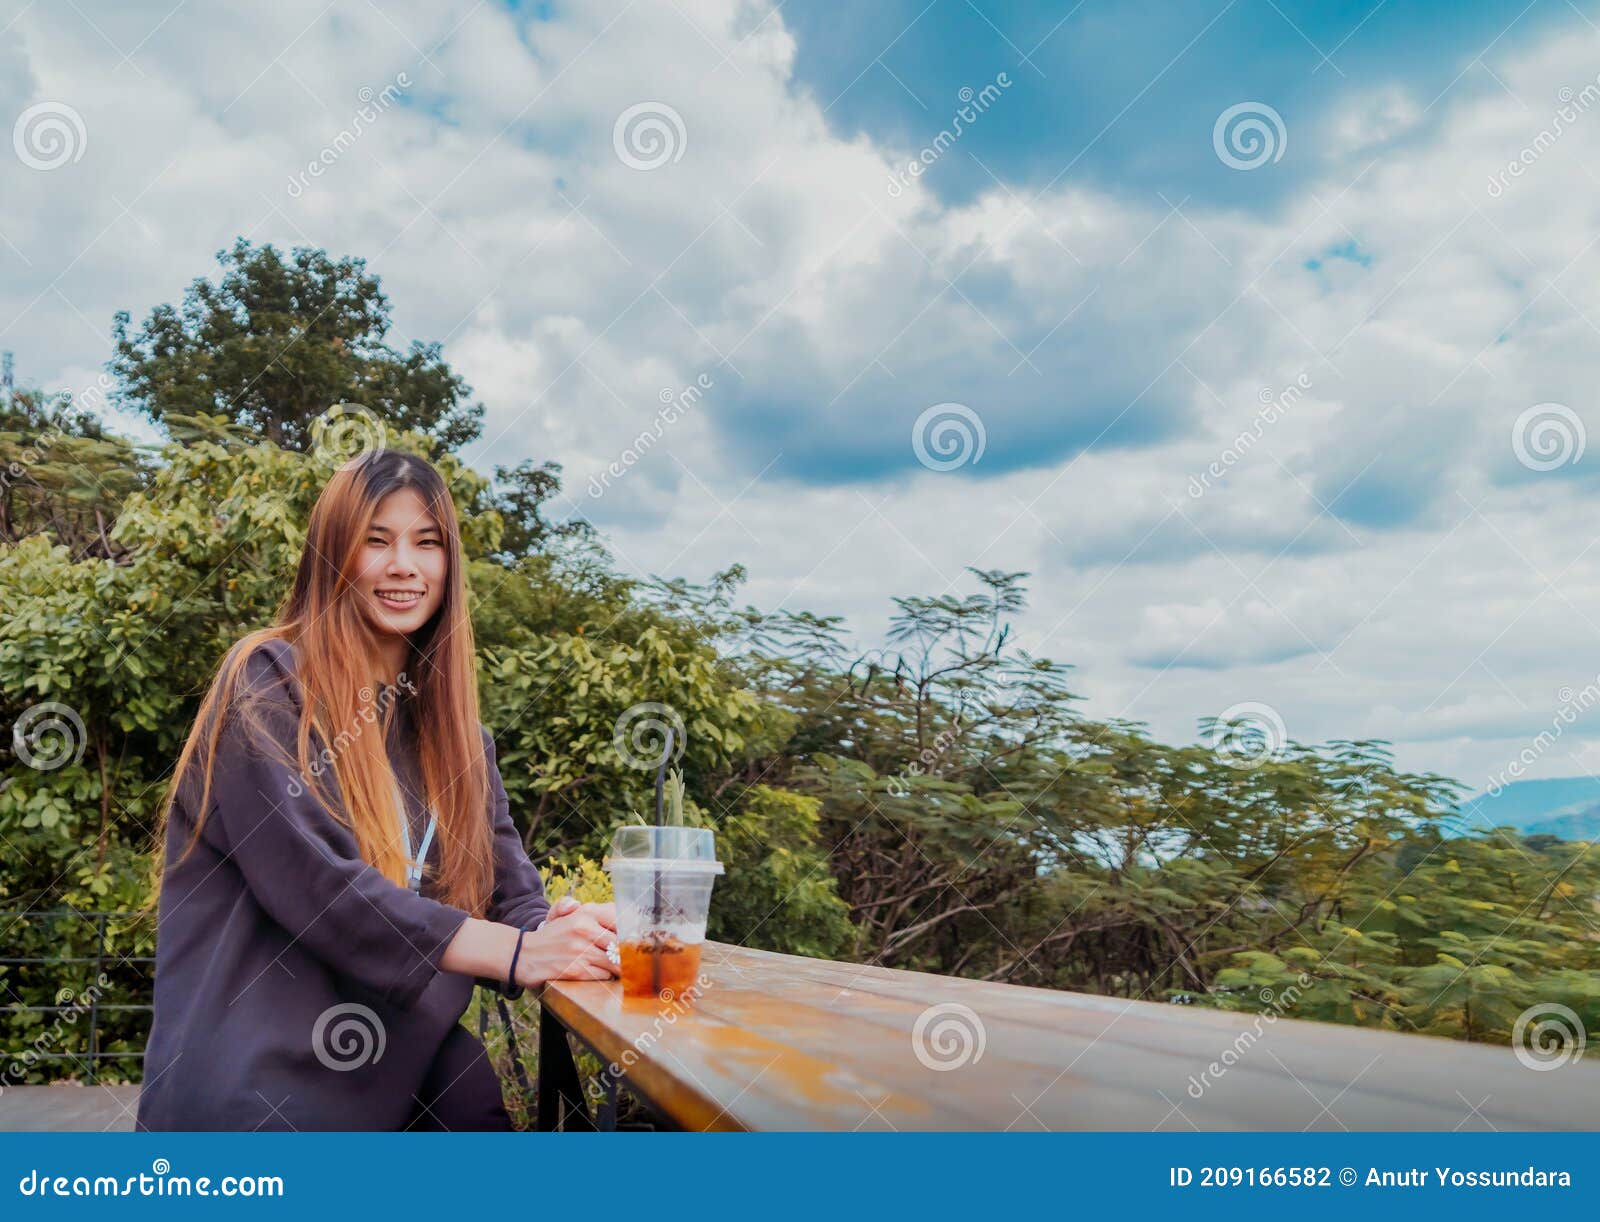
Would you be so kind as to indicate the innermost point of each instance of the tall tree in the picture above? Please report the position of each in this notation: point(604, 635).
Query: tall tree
point(63, 475)
point(278, 341)
point(524, 490)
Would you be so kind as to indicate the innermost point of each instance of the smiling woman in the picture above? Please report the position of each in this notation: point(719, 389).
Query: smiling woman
point(311, 966)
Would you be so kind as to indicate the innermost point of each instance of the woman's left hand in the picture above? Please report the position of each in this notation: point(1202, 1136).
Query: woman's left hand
point(605, 913)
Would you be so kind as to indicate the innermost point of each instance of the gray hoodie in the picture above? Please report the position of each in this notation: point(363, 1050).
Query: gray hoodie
point(296, 986)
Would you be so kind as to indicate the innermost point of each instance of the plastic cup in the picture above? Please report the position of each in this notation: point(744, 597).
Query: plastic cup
point(662, 878)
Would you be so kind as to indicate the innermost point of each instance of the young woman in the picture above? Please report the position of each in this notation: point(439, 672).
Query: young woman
point(340, 866)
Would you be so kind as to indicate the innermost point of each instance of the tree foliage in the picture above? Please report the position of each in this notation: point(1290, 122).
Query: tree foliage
point(279, 340)
point(979, 824)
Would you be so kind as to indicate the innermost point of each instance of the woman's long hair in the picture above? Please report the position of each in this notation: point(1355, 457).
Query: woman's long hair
point(336, 650)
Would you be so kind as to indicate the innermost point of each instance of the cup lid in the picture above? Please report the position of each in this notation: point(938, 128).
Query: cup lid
point(677, 848)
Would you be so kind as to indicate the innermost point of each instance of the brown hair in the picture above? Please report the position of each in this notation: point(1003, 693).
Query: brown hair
point(335, 651)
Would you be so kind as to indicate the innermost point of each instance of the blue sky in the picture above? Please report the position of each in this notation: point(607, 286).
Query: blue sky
point(1299, 426)
point(1125, 93)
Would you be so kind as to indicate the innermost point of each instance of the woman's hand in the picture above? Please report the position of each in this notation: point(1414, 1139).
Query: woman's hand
point(605, 913)
point(570, 945)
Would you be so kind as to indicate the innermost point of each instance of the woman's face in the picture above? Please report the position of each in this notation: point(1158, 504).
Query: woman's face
point(402, 565)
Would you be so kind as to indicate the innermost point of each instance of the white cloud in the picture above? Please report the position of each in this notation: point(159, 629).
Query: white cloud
point(1440, 606)
point(1364, 124)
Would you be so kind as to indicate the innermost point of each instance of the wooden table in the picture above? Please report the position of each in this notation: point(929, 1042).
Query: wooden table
point(784, 1042)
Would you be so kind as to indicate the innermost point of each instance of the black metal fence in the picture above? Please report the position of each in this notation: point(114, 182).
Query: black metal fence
point(17, 972)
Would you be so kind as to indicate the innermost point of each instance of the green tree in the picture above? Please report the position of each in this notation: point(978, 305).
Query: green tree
point(62, 474)
point(521, 495)
point(278, 341)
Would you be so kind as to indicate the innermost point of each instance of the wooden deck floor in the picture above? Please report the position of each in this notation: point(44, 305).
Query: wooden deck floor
point(68, 1109)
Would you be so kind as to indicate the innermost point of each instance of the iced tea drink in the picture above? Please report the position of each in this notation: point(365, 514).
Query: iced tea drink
point(658, 965)
point(661, 878)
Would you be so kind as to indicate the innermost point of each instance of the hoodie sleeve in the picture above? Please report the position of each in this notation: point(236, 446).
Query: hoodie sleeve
point(519, 897)
point(304, 866)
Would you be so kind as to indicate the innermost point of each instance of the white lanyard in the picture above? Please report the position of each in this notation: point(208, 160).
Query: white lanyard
point(413, 865)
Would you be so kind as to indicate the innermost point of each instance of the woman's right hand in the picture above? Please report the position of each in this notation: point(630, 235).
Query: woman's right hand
point(571, 946)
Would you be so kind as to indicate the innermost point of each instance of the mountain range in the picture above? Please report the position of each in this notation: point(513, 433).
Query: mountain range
point(1565, 807)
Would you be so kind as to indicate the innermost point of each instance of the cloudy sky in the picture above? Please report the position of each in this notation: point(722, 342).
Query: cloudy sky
point(1263, 334)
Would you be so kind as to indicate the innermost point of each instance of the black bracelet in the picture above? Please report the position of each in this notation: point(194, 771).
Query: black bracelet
point(513, 989)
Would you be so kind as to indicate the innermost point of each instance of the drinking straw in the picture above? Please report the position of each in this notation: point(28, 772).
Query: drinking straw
point(655, 871)
point(661, 779)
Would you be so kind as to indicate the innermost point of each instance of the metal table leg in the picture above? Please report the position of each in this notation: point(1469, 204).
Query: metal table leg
point(560, 1094)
